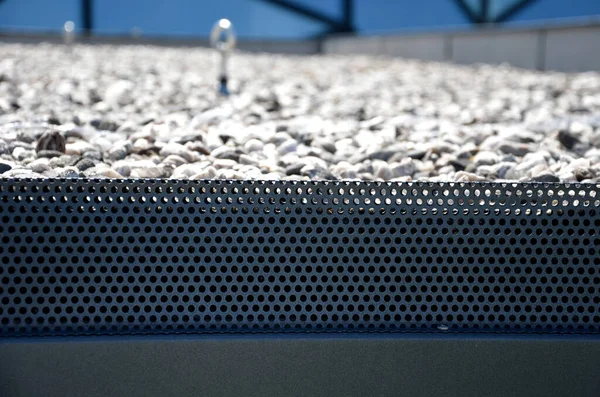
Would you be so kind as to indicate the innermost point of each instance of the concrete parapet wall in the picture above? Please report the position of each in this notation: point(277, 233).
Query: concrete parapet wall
point(561, 47)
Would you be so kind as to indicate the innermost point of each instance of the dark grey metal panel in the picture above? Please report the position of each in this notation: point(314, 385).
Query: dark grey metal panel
point(95, 257)
point(279, 366)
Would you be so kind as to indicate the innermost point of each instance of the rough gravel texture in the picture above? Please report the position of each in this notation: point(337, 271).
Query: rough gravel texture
point(155, 113)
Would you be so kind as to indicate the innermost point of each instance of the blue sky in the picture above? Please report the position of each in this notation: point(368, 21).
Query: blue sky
point(254, 19)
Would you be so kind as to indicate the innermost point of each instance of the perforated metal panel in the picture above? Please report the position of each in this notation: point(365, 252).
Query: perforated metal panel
point(165, 256)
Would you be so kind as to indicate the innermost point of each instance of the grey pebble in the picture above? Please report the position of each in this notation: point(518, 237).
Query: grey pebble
point(325, 144)
point(74, 160)
point(49, 153)
point(69, 172)
point(545, 178)
point(349, 174)
point(405, 168)
point(459, 164)
point(194, 137)
point(93, 155)
point(357, 158)
point(288, 146)
point(294, 169)
point(399, 156)
point(25, 137)
point(567, 139)
point(104, 124)
point(122, 169)
point(226, 153)
point(73, 133)
point(62, 161)
point(383, 154)
point(317, 172)
point(3, 147)
point(15, 144)
point(177, 149)
point(40, 168)
point(281, 137)
point(514, 148)
point(384, 172)
point(584, 173)
point(198, 147)
point(416, 154)
point(85, 163)
point(119, 152)
point(4, 167)
point(506, 171)
point(51, 140)
point(365, 168)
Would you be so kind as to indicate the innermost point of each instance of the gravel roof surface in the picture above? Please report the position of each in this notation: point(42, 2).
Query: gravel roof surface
point(152, 112)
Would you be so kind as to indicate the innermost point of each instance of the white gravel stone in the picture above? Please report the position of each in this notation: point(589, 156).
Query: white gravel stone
point(287, 146)
point(253, 145)
point(110, 173)
point(119, 93)
point(174, 160)
point(230, 174)
point(178, 150)
point(145, 111)
point(149, 172)
point(462, 176)
point(207, 173)
point(223, 152)
point(248, 160)
point(187, 170)
point(271, 176)
point(21, 153)
point(79, 147)
point(486, 158)
point(224, 163)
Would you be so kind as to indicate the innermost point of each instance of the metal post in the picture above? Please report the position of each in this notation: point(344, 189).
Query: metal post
point(69, 34)
point(348, 14)
point(467, 11)
point(334, 25)
point(222, 37)
point(87, 17)
point(485, 11)
point(513, 10)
